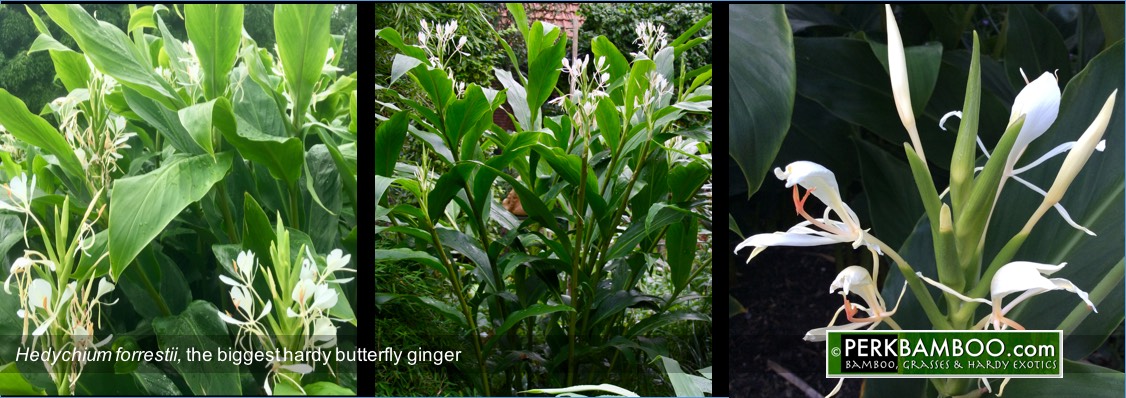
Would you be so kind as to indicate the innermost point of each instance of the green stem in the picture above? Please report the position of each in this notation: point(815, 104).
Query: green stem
point(464, 305)
point(917, 286)
point(580, 212)
point(151, 290)
point(225, 208)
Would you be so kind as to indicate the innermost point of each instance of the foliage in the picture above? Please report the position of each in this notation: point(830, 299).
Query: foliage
point(958, 58)
point(617, 20)
point(543, 286)
point(189, 170)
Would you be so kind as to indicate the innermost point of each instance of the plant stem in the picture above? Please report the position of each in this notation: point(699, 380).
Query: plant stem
point(151, 290)
point(917, 286)
point(464, 305)
point(577, 259)
point(225, 208)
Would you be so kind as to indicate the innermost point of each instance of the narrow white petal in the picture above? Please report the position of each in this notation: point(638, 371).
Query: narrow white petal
point(820, 334)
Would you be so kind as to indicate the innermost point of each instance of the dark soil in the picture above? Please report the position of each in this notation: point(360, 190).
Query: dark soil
point(786, 293)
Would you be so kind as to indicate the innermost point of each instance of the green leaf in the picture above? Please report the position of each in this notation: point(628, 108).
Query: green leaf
point(302, 32)
point(401, 65)
point(682, 382)
point(143, 205)
point(893, 198)
point(141, 18)
point(278, 154)
point(257, 233)
point(1079, 380)
point(1111, 20)
point(200, 119)
point(602, 47)
point(402, 254)
point(534, 310)
point(762, 85)
point(685, 179)
point(199, 327)
point(609, 124)
point(214, 31)
point(1033, 43)
point(45, 42)
point(166, 122)
point(327, 388)
point(34, 130)
point(681, 248)
point(71, 68)
point(112, 52)
point(923, 62)
point(13, 383)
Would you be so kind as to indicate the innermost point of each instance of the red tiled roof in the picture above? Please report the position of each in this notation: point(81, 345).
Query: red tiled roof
point(564, 15)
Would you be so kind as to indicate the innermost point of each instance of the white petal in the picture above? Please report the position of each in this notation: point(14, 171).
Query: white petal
point(819, 334)
point(1039, 102)
point(851, 278)
point(1019, 276)
point(229, 281)
point(227, 318)
point(39, 293)
point(786, 239)
point(299, 368)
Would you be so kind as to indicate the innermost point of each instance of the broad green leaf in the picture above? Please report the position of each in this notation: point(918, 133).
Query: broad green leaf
point(392, 255)
point(112, 52)
point(34, 130)
point(142, 206)
point(517, 99)
point(38, 22)
point(662, 214)
point(200, 121)
point(213, 29)
point(602, 47)
point(681, 246)
point(1032, 43)
point(543, 69)
point(71, 68)
point(166, 122)
point(609, 124)
point(302, 32)
point(534, 310)
point(923, 62)
point(278, 154)
point(13, 383)
point(323, 224)
point(685, 179)
point(327, 388)
point(141, 18)
point(257, 232)
point(1079, 380)
point(199, 327)
point(155, 284)
point(152, 381)
point(401, 65)
point(1111, 20)
point(681, 382)
point(893, 198)
point(45, 42)
point(762, 87)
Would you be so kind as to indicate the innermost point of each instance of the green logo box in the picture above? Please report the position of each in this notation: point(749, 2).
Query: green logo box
point(944, 353)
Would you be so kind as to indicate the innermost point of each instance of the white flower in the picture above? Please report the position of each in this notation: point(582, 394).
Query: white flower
point(820, 182)
point(244, 264)
point(19, 266)
point(1039, 103)
point(324, 333)
point(856, 279)
point(1023, 277)
point(19, 192)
